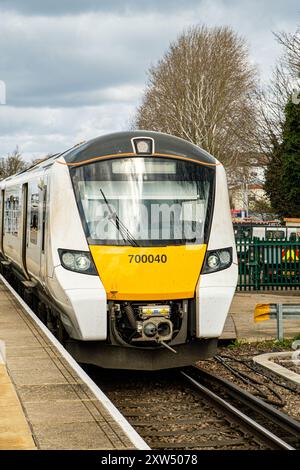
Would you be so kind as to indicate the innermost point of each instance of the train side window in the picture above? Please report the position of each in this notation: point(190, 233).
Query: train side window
point(279, 235)
point(246, 233)
point(12, 214)
point(34, 218)
point(269, 235)
point(275, 235)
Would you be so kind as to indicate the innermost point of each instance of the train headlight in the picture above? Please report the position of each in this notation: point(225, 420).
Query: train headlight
point(216, 260)
point(82, 262)
point(213, 261)
point(77, 261)
point(68, 260)
point(143, 145)
point(225, 257)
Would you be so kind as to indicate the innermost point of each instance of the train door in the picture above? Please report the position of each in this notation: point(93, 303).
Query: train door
point(33, 234)
point(36, 227)
point(43, 215)
point(23, 228)
point(1, 219)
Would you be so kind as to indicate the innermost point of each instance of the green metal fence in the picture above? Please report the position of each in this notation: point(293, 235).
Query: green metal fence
point(268, 265)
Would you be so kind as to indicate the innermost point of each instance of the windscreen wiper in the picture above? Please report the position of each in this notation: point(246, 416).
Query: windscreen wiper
point(114, 218)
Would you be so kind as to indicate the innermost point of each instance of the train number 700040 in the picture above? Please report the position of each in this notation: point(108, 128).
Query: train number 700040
point(147, 258)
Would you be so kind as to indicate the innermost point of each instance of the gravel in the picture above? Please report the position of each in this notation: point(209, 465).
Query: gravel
point(288, 364)
point(289, 394)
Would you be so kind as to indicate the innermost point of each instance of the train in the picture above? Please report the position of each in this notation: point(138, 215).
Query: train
point(124, 247)
point(268, 232)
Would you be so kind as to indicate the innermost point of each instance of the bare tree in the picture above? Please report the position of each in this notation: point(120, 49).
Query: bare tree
point(11, 164)
point(271, 100)
point(203, 90)
point(291, 42)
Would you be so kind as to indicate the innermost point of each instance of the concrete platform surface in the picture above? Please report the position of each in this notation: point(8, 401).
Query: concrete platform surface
point(15, 432)
point(240, 321)
point(44, 404)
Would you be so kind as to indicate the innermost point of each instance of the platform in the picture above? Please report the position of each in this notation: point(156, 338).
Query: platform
point(240, 321)
point(44, 402)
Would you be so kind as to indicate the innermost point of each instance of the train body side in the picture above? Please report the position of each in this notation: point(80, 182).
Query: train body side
point(214, 291)
point(80, 298)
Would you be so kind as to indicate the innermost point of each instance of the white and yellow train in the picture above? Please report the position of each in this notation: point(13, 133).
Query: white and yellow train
point(124, 247)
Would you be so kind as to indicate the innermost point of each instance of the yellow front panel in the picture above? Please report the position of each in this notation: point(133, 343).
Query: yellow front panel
point(149, 273)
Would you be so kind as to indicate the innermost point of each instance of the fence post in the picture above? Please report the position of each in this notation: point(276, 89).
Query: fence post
point(279, 322)
point(257, 265)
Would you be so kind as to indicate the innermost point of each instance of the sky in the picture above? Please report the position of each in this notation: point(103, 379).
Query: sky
point(76, 69)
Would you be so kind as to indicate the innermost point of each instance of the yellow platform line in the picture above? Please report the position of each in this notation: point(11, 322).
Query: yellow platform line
point(15, 433)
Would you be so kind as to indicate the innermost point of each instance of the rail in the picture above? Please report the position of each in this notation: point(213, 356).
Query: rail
point(275, 441)
point(278, 427)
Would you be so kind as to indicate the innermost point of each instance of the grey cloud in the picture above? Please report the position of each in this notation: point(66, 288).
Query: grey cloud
point(64, 62)
point(76, 69)
point(70, 61)
point(60, 7)
point(38, 131)
point(73, 7)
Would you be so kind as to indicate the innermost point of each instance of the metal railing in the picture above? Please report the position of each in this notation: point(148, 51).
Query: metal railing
point(279, 312)
point(268, 264)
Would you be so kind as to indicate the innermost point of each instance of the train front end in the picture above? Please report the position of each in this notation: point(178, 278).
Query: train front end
point(156, 217)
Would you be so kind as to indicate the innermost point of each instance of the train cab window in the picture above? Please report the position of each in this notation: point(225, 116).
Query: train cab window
point(34, 218)
point(145, 201)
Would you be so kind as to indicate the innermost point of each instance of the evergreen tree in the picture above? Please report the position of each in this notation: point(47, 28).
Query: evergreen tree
point(283, 173)
point(291, 161)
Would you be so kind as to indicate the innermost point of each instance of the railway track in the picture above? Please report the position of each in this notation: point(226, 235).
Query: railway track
point(277, 426)
point(190, 409)
point(285, 427)
point(194, 409)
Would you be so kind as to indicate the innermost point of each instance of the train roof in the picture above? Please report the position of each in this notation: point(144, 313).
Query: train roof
point(121, 143)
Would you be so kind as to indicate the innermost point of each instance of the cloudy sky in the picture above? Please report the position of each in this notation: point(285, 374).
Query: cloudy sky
point(75, 69)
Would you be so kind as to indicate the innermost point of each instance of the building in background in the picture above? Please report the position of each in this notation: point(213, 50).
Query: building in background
point(247, 194)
